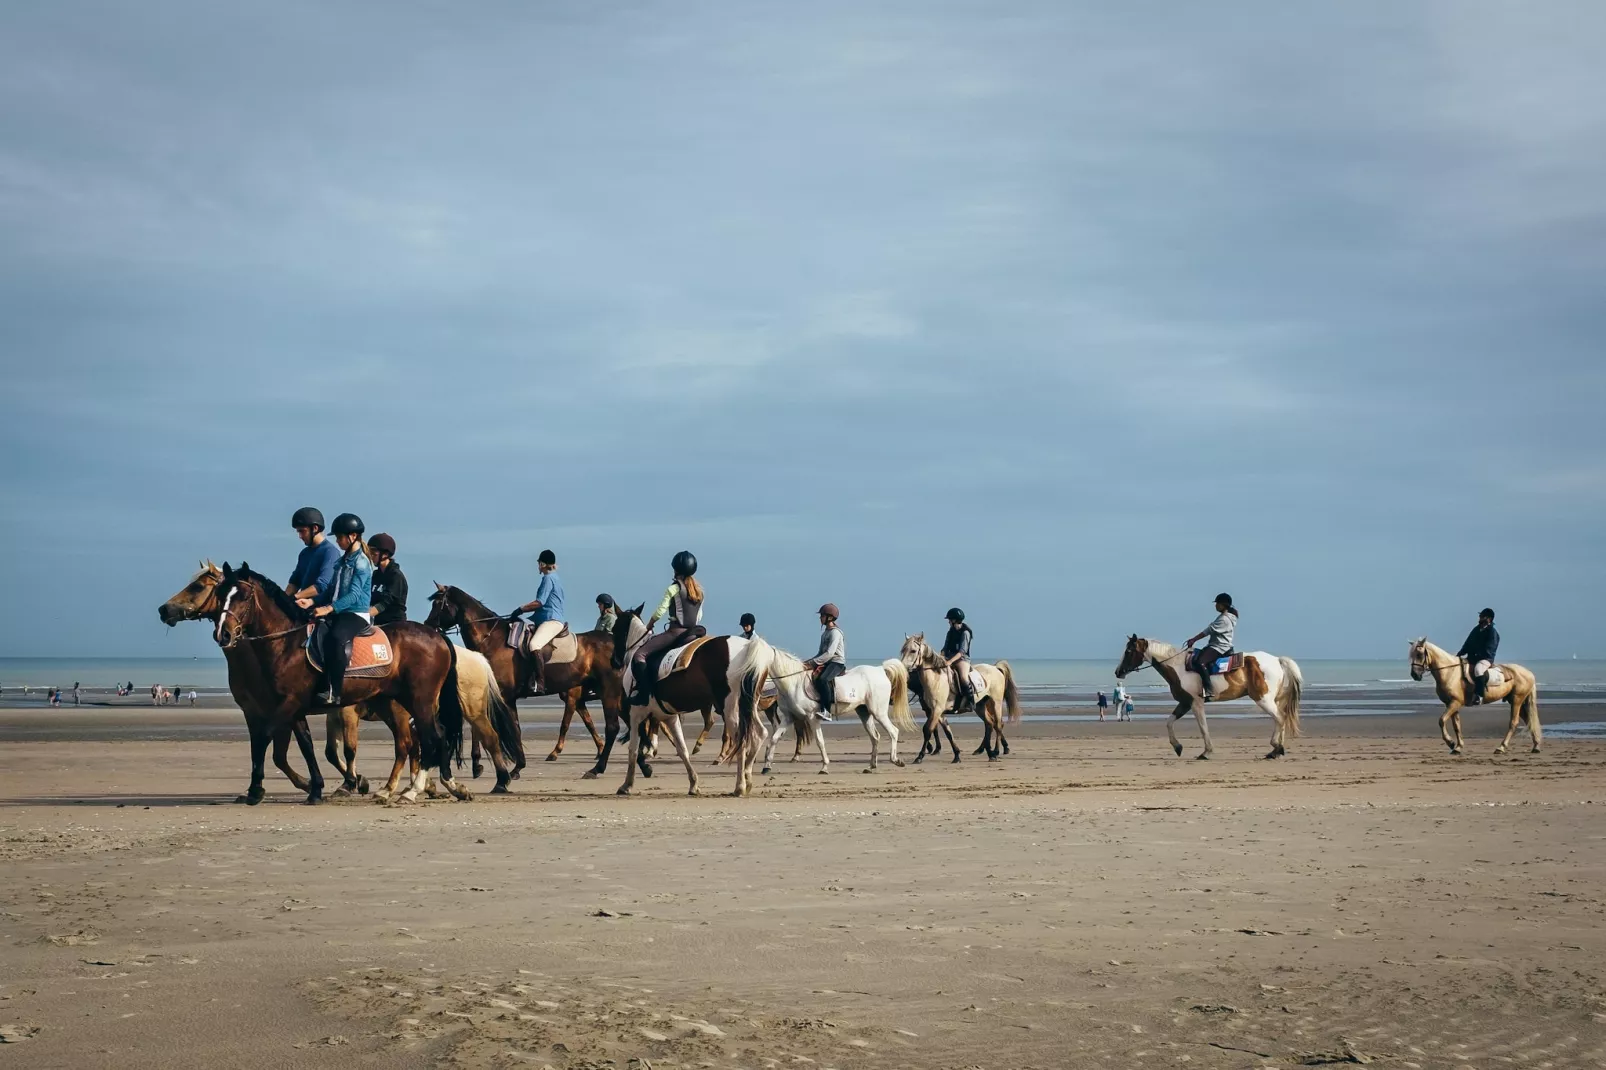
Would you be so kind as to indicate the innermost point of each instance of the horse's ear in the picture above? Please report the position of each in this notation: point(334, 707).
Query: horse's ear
point(244, 567)
point(638, 610)
point(439, 588)
point(227, 571)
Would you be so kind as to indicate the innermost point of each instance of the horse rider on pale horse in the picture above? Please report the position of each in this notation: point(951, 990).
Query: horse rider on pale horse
point(547, 607)
point(956, 652)
point(1219, 632)
point(831, 661)
point(1479, 651)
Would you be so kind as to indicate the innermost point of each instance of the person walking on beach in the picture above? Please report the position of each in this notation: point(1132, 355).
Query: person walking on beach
point(1126, 709)
point(390, 586)
point(75, 692)
point(1479, 650)
point(1104, 704)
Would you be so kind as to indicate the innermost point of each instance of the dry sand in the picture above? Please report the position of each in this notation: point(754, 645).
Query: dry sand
point(1089, 901)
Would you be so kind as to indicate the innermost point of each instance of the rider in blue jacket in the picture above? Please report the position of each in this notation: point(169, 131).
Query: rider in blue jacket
point(345, 604)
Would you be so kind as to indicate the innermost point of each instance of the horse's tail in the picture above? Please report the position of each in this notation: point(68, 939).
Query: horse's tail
point(477, 690)
point(899, 707)
point(1288, 694)
point(747, 677)
point(449, 720)
point(1011, 693)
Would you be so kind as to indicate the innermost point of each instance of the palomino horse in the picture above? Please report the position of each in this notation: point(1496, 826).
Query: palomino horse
point(878, 694)
point(1274, 683)
point(931, 680)
point(702, 685)
point(1449, 679)
point(257, 614)
point(590, 673)
point(198, 600)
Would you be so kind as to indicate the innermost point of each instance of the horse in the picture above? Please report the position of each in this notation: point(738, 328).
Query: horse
point(198, 600)
point(256, 613)
point(931, 680)
point(1519, 688)
point(1274, 684)
point(878, 694)
point(702, 685)
point(592, 671)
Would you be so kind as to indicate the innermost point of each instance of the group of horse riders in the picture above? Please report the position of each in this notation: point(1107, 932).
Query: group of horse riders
point(349, 586)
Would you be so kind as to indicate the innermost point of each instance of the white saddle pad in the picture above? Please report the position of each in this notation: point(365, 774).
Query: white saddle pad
point(563, 649)
point(977, 684)
point(851, 689)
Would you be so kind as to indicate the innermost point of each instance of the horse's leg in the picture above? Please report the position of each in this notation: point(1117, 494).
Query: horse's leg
point(563, 727)
point(677, 736)
point(1171, 725)
point(352, 726)
point(259, 751)
point(949, 732)
point(1268, 706)
point(476, 765)
point(1204, 729)
point(1516, 715)
point(585, 718)
point(402, 746)
point(885, 720)
point(875, 739)
point(819, 741)
point(281, 756)
point(1444, 723)
point(772, 736)
point(637, 715)
point(926, 732)
point(309, 751)
point(332, 727)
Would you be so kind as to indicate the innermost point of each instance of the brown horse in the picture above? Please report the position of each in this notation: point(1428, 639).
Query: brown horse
point(256, 613)
point(701, 686)
point(198, 600)
point(591, 673)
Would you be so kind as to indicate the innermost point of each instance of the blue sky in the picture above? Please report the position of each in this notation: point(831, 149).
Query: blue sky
point(1070, 314)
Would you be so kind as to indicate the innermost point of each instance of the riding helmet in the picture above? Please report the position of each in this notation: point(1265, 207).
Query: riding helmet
point(830, 610)
point(347, 524)
point(382, 544)
point(307, 517)
point(1487, 612)
point(1224, 597)
point(547, 557)
point(684, 564)
point(748, 618)
point(956, 615)
point(605, 600)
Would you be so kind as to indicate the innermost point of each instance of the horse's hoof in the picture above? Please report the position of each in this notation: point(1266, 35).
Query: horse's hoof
point(623, 791)
point(551, 758)
point(646, 770)
point(871, 769)
point(823, 772)
point(590, 774)
point(1500, 750)
point(898, 762)
point(1534, 751)
point(465, 796)
point(478, 770)
point(693, 792)
point(955, 761)
point(362, 785)
point(764, 771)
point(315, 800)
point(992, 757)
point(243, 799)
point(1202, 758)
point(516, 772)
point(696, 747)
point(1178, 748)
point(500, 789)
point(921, 758)
point(341, 792)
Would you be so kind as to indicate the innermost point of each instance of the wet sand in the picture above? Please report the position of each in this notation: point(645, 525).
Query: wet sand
point(1088, 901)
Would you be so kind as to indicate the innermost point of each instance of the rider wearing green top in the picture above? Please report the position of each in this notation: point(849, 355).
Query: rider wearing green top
point(683, 604)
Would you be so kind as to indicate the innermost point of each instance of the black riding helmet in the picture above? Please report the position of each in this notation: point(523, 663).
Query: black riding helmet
point(605, 600)
point(547, 557)
point(347, 524)
point(956, 615)
point(748, 618)
point(307, 517)
point(1224, 597)
point(684, 564)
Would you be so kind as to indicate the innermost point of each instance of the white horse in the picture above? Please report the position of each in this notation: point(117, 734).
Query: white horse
point(1273, 683)
point(879, 695)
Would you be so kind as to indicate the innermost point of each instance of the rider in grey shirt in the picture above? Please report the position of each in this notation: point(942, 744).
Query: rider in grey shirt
point(1220, 632)
point(831, 661)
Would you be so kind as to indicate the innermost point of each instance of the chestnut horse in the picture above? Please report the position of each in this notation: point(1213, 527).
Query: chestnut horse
point(256, 613)
point(701, 686)
point(592, 671)
point(1518, 688)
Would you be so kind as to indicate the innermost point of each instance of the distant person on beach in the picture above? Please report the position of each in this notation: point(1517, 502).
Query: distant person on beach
point(1104, 704)
point(748, 623)
point(1126, 709)
point(75, 690)
point(1479, 650)
point(1118, 697)
point(192, 696)
point(390, 586)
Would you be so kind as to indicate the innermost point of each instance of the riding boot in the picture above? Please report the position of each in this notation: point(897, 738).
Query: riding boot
point(1479, 683)
point(538, 676)
point(1202, 667)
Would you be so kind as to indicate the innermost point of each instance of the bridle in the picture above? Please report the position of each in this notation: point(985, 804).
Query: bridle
point(236, 629)
point(1149, 661)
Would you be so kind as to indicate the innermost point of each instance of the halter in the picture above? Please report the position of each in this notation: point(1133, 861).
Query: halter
point(237, 630)
point(1150, 660)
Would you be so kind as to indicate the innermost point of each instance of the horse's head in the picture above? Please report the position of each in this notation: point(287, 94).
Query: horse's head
point(248, 603)
point(196, 600)
point(628, 631)
point(915, 653)
point(444, 612)
point(1420, 661)
point(1137, 652)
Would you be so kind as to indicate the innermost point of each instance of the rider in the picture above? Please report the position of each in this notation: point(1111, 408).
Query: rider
point(315, 566)
point(607, 613)
point(956, 652)
point(547, 605)
point(1479, 650)
point(683, 601)
point(390, 586)
point(832, 660)
point(345, 603)
point(748, 623)
point(1220, 645)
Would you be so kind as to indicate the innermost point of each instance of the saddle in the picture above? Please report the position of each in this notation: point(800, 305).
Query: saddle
point(1496, 677)
point(1232, 662)
point(563, 648)
point(962, 702)
point(371, 653)
point(677, 659)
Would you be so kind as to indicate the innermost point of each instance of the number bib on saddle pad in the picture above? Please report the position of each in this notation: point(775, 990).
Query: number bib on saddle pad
point(850, 690)
point(371, 654)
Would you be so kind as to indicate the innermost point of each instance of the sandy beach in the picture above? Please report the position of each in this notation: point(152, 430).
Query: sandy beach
point(1090, 900)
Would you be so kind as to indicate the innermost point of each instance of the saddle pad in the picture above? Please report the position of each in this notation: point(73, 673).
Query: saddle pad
point(1496, 677)
point(1231, 663)
point(563, 649)
point(371, 655)
point(851, 689)
point(680, 657)
point(977, 684)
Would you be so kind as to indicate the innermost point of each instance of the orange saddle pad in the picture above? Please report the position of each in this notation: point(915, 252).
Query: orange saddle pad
point(371, 655)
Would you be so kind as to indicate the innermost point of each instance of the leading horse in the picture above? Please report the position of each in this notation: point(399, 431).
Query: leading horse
point(1273, 683)
point(591, 672)
point(256, 614)
point(1518, 687)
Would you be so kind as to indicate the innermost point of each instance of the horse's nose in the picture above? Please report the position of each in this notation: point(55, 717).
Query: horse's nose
point(161, 612)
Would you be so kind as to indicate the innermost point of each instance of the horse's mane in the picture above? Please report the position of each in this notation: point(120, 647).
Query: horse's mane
point(281, 598)
point(786, 663)
point(473, 603)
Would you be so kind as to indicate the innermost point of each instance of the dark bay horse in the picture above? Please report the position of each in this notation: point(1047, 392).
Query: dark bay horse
point(256, 614)
point(701, 686)
point(592, 671)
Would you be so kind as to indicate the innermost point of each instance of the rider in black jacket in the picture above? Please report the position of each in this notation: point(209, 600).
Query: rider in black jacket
point(1479, 650)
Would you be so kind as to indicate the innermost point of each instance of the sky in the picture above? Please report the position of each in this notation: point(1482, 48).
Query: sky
point(1070, 314)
